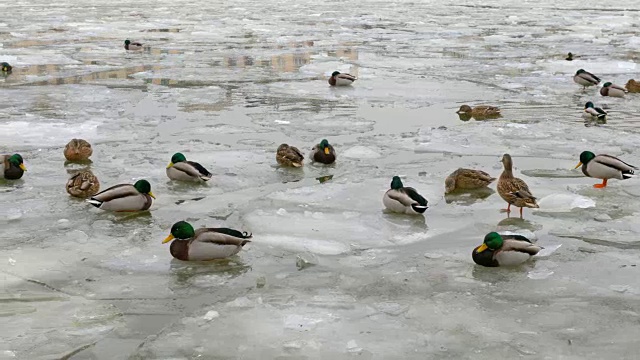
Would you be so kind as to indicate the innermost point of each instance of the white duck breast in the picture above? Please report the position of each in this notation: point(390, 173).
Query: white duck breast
point(608, 167)
point(595, 112)
point(344, 80)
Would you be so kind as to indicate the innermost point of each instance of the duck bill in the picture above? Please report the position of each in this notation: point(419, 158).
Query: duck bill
point(24, 168)
point(151, 194)
point(168, 238)
point(326, 150)
point(170, 165)
point(579, 164)
point(482, 248)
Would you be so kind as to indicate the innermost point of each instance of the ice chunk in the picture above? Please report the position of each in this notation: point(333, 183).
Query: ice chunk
point(210, 315)
point(306, 260)
point(565, 202)
point(360, 152)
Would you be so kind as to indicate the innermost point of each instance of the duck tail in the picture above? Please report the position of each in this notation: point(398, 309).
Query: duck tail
point(628, 174)
point(94, 202)
point(419, 208)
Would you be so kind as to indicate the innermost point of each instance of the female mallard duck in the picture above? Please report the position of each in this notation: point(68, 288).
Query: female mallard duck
point(289, 156)
point(204, 243)
point(124, 197)
point(479, 112)
point(633, 86)
point(129, 45)
point(6, 68)
point(594, 112)
point(12, 167)
point(585, 78)
point(78, 150)
point(404, 200)
point(83, 184)
point(467, 179)
point(604, 167)
point(323, 153)
point(513, 190)
point(609, 89)
point(181, 169)
point(339, 79)
point(569, 57)
point(504, 250)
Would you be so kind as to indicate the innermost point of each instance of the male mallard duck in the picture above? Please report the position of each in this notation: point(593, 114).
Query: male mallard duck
point(609, 89)
point(6, 68)
point(585, 78)
point(204, 243)
point(124, 197)
point(594, 112)
point(128, 45)
point(604, 167)
point(83, 184)
point(404, 200)
point(181, 169)
point(504, 250)
point(633, 86)
point(339, 79)
point(514, 190)
point(78, 150)
point(12, 167)
point(479, 112)
point(569, 57)
point(289, 156)
point(466, 179)
point(323, 153)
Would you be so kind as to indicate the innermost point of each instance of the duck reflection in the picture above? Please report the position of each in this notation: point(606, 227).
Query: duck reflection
point(187, 274)
point(468, 197)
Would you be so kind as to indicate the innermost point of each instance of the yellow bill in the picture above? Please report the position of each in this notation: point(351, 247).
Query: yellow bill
point(24, 168)
point(482, 248)
point(151, 194)
point(579, 164)
point(168, 238)
point(326, 150)
point(170, 165)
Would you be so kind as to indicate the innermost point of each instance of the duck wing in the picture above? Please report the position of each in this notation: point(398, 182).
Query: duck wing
point(116, 192)
point(520, 246)
point(222, 236)
point(589, 77)
point(201, 169)
point(615, 163)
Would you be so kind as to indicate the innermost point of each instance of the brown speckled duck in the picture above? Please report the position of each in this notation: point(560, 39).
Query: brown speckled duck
point(205, 243)
point(633, 86)
point(323, 153)
point(289, 156)
point(78, 150)
point(514, 190)
point(339, 79)
point(479, 112)
point(83, 184)
point(613, 90)
point(467, 179)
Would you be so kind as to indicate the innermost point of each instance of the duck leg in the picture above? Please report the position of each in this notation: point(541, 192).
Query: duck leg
point(507, 210)
point(520, 213)
point(600, 186)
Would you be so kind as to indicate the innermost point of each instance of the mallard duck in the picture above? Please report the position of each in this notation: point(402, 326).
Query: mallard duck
point(633, 86)
point(78, 150)
point(514, 190)
point(479, 112)
point(404, 200)
point(124, 197)
point(504, 250)
point(594, 112)
point(339, 79)
point(6, 68)
point(289, 156)
point(609, 89)
point(12, 167)
point(128, 45)
point(323, 153)
point(83, 184)
point(181, 169)
point(466, 179)
point(569, 57)
point(204, 243)
point(585, 78)
point(605, 167)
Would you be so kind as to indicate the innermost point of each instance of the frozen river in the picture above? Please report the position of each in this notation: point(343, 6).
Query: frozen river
point(328, 275)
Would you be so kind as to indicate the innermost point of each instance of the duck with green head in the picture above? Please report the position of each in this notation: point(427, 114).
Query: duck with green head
point(604, 167)
point(182, 170)
point(124, 197)
point(404, 200)
point(323, 153)
point(585, 78)
point(594, 112)
point(514, 190)
point(569, 57)
point(129, 45)
point(12, 167)
point(339, 79)
point(6, 68)
point(613, 90)
point(504, 250)
point(205, 243)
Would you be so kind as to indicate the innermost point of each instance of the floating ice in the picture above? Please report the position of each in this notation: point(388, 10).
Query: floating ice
point(360, 152)
point(563, 202)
